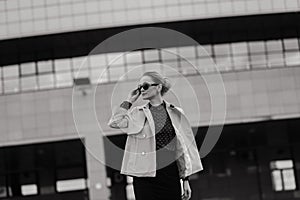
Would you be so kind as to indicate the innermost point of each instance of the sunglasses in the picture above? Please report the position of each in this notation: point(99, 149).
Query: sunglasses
point(146, 86)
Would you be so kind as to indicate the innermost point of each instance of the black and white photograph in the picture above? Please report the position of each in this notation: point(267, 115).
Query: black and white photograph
point(149, 99)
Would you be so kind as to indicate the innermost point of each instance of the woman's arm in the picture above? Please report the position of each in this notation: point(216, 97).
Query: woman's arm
point(121, 114)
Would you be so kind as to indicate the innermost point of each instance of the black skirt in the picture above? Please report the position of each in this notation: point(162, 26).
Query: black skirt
point(165, 185)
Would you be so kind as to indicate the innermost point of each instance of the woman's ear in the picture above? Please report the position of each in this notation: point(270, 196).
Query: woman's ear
point(160, 87)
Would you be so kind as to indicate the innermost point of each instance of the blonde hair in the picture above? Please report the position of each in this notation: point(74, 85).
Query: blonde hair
point(158, 78)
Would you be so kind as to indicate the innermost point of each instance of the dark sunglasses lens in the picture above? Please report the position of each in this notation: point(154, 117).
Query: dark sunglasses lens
point(145, 86)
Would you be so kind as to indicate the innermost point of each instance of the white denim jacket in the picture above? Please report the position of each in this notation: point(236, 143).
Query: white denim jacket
point(139, 158)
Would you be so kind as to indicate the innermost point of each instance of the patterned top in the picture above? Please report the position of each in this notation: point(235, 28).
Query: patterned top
point(164, 130)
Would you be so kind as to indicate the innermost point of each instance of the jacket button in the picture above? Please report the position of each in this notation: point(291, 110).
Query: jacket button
point(144, 135)
point(143, 153)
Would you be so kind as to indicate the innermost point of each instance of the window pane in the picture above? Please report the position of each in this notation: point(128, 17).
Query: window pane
point(28, 68)
point(239, 48)
point(189, 67)
point(204, 50)
point(151, 55)
point(62, 64)
point(276, 180)
point(11, 85)
point(79, 63)
point(71, 185)
point(99, 76)
point(169, 53)
point(292, 58)
point(274, 45)
point(29, 189)
point(206, 64)
point(281, 164)
point(46, 81)
point(10, 71)
point(289, 179)
point(28, 83)
point(187, 52)
point(222, 49)
point(45, 66)
point(275, 60)
point(130, 192)
point(258, 60)
point(98, 60)
point(134, 57)
point(64, 79)
point(115, 58)
point(291, 44)
point(241, 62)
point(257, 47)
point(223, 63)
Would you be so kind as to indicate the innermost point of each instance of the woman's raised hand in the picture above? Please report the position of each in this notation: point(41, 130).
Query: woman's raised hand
point(134, 95)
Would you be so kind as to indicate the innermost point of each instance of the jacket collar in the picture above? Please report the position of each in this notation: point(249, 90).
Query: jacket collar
point(166, 104)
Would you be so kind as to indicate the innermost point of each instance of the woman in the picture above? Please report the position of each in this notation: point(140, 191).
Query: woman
point(160, 148)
